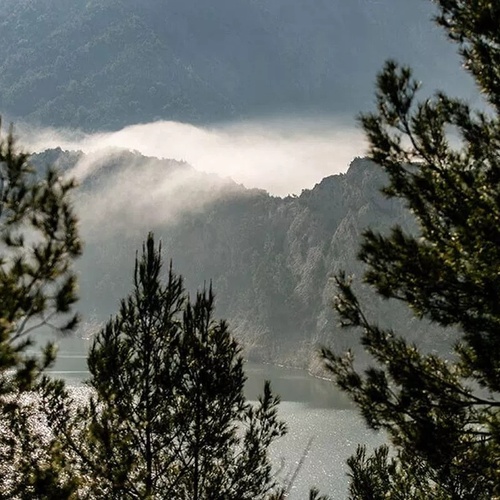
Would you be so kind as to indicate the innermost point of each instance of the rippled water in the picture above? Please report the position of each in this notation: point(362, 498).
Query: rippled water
point(315, 413)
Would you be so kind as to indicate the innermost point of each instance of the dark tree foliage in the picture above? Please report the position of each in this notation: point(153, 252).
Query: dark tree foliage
point(167, 417)
point(39, 241)
point(443, 159)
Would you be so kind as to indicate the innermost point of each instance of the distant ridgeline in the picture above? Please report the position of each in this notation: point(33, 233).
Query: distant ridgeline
point(104, 64)
point(271, 260)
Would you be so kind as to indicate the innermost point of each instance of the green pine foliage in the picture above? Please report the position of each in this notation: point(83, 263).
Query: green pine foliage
point(39, 242)
point(167, 417)
point(442, 159)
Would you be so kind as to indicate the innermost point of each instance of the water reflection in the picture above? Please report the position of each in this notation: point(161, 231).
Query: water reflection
point(294, 386)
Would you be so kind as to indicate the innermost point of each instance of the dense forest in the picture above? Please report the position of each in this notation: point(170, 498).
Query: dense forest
point(110, 63)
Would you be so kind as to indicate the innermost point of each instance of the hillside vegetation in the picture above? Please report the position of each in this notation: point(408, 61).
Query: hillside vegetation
point(109, 63)
point(271, 260)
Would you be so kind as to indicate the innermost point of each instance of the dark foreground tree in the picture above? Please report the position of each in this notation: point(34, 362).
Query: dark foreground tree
point(167, 416)
point(38, 243)
point(442, 416)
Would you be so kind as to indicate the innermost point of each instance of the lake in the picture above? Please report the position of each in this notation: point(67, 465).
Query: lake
point(322, 424)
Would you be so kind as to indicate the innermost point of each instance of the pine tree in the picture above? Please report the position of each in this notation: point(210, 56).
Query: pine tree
point(167, 416)
point(441, 415)
point(39, 241)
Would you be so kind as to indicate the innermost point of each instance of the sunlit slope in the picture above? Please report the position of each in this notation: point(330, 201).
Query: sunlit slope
point(108, 63)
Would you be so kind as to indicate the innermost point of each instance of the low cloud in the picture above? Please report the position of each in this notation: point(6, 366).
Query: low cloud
point(142, 193)
point(281, 156)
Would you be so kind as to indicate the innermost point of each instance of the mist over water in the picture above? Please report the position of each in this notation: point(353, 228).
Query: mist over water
point(282, 156)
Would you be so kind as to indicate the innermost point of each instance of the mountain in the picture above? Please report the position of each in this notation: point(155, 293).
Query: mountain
point(271, 260)
point(103, 64)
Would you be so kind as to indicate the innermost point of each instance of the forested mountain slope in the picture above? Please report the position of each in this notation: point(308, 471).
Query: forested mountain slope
point(103, 64)
point(271, 260)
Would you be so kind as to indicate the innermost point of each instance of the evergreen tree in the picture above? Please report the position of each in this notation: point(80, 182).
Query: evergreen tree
point(441, 415)
point(39, 241)
point(167, 416)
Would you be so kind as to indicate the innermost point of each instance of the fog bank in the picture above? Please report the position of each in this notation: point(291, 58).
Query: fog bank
point(282, 156)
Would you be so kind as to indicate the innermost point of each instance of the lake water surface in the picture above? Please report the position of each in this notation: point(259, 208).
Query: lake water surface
point(322, 424)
